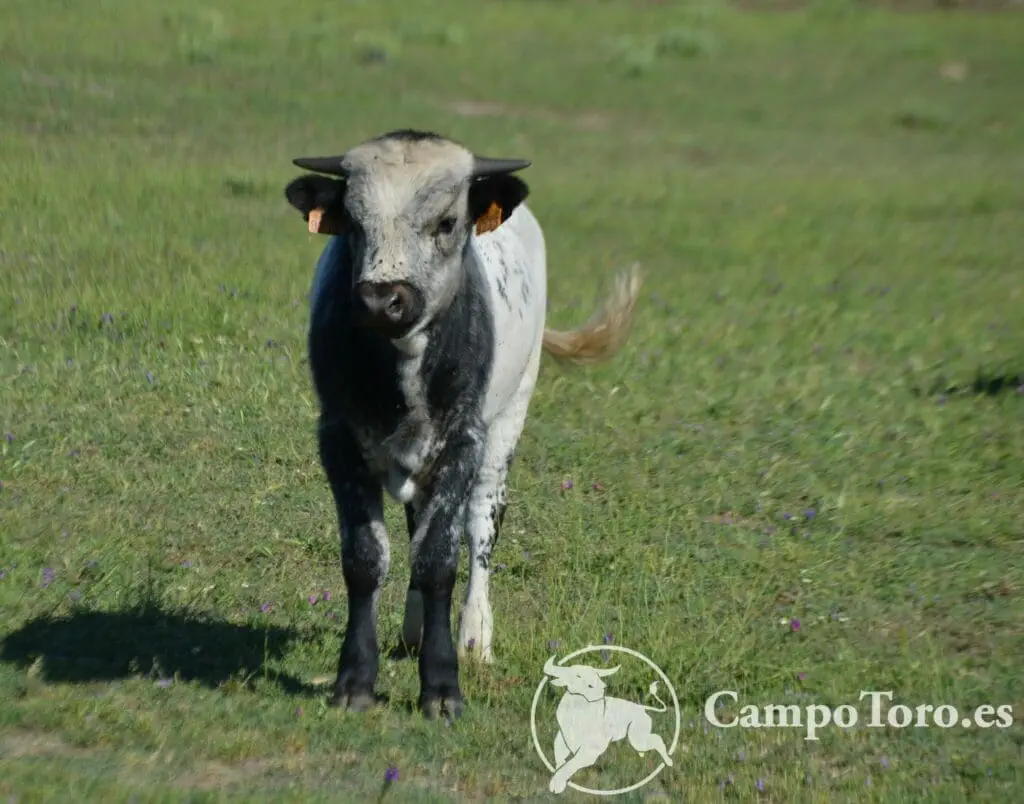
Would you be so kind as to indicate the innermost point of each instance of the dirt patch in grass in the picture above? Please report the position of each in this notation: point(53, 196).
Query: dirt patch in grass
point(29, 744)
point(218, 775)
point(890, 5)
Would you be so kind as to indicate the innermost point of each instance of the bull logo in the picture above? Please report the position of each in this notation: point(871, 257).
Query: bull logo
point(589, 720)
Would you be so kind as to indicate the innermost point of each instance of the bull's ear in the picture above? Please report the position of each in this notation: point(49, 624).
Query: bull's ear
point(310, 191)
point(492, 199)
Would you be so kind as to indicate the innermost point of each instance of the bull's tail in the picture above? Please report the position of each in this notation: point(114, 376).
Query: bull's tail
point(653, 692)
point(606, 331)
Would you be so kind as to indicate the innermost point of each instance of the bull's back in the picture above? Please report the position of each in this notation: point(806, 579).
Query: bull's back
point(514, 261)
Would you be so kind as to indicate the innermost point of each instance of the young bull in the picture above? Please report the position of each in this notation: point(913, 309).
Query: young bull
point(425, 342)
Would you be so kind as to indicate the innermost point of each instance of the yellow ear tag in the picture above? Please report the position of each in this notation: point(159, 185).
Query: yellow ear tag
point(490, 220)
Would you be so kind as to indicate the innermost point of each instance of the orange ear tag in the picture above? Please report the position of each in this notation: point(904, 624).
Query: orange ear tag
point(322, 222)
point(490, 220)
point(314, 220)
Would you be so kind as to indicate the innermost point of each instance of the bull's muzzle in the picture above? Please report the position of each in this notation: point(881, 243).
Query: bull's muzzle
point(392, 308)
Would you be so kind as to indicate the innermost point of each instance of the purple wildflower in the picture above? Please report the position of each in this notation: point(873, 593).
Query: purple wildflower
point(107, 318)
point(312, 600)
point(526, 555)
point(759, 784)
point(165, 682)
point(266, 607)
point(553, 644)
point(47, 578)
point(326, 596)
point(867, 781)
point(9, 437)
point(567, 484)
point(741, 755)
point(74, 453)
point(186, 564)
point(884, 761)
point(795, 625)
point(471, 643)
point(810, 513)
point(787, 515)
point(391, 774)
point(802, 676)
point(596, 486)
point(298, 711)
point(608, 638)
point(150, 377)
point(3, 574)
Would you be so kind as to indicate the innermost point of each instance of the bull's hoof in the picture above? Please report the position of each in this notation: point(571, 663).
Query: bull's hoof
point(449, 707)
point(352, 700)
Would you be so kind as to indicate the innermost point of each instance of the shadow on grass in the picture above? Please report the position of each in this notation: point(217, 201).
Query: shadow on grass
point(983, 385)
point(105, 646)
point(992, 386)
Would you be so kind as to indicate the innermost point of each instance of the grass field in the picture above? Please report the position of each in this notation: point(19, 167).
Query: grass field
point(819, 416)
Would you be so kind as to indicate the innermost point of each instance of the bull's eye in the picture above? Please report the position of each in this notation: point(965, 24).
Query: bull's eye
point(446, 226)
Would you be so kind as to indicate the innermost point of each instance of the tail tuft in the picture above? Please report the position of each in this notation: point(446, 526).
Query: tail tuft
point(607, 330)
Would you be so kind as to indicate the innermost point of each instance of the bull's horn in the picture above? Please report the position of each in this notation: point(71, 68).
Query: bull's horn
point(486, 166)
point(607, 671)
point(551, 669)
point(322, 164)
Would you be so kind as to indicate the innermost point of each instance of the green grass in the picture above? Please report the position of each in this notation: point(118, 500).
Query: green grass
point(830, 224)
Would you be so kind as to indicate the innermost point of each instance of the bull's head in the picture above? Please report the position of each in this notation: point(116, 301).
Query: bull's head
point(406, 204)
point(580, 679)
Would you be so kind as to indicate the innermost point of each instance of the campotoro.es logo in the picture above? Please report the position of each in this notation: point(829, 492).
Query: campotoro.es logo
point(589, 720)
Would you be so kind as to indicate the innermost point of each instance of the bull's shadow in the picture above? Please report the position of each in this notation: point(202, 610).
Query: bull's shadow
point(983, 384)
point(106, 646)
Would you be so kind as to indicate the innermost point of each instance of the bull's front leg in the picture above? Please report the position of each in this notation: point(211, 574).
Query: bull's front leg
point(434, 562)
point(365, 557)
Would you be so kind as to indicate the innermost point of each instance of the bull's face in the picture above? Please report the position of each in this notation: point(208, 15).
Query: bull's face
point(579, 679)
point(406, 204)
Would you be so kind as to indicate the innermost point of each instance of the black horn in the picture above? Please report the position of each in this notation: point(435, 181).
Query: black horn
point(331, 165)
point(486, 166)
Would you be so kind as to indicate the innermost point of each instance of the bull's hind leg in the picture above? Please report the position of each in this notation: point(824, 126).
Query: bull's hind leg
point(484, 516)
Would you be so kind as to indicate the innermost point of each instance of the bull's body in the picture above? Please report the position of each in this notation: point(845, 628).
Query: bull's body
point(481, 359)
